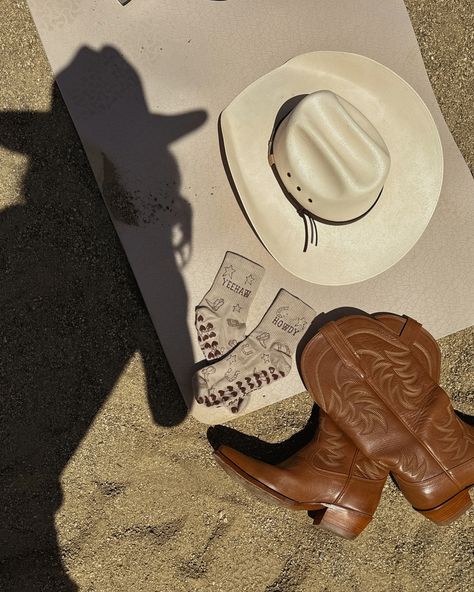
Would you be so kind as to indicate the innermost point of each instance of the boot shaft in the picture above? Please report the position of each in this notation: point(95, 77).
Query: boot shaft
point(333, 451)
point(375, 390)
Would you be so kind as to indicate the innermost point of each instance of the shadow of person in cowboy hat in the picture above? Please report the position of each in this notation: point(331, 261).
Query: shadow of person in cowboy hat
point(72, 316)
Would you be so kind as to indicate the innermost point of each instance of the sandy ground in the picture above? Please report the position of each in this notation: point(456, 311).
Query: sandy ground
point(103, 487)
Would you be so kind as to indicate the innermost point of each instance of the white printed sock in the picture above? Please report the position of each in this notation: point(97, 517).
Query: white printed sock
point(263, 357)
point(222, 314)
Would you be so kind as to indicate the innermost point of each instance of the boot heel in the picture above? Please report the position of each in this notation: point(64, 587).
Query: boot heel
point(448, 511)
point(342, 521)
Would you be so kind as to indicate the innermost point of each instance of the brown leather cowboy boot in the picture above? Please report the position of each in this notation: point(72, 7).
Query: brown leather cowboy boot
point(330, 476)
point(381, 396)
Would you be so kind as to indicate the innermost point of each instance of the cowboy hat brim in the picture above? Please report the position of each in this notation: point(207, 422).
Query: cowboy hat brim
point(346, 253)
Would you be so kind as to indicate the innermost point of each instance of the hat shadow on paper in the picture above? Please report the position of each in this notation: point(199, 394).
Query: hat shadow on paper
point(72, 314)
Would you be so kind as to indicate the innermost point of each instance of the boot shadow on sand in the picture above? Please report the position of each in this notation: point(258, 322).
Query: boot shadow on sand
point(72, 316)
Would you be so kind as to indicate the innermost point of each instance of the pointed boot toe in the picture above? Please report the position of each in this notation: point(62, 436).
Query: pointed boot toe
point(330, 477)
point(266, 481)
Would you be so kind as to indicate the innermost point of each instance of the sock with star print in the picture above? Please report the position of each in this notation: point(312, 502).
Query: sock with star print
point(263, 357)
point(222, 314)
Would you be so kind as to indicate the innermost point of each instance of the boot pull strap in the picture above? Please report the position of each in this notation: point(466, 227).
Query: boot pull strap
point(342, 347)
point(410, 331)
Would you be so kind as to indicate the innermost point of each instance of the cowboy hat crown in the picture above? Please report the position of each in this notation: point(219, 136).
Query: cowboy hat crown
point(330, 157)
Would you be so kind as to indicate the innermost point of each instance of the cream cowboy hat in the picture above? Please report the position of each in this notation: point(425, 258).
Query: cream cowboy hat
point(337, 162)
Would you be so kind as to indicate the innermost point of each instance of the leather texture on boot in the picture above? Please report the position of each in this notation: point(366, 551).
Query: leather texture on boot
point(370, 383)
point(330, 470)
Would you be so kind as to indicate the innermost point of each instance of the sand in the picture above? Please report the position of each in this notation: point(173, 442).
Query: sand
point(106, 484)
